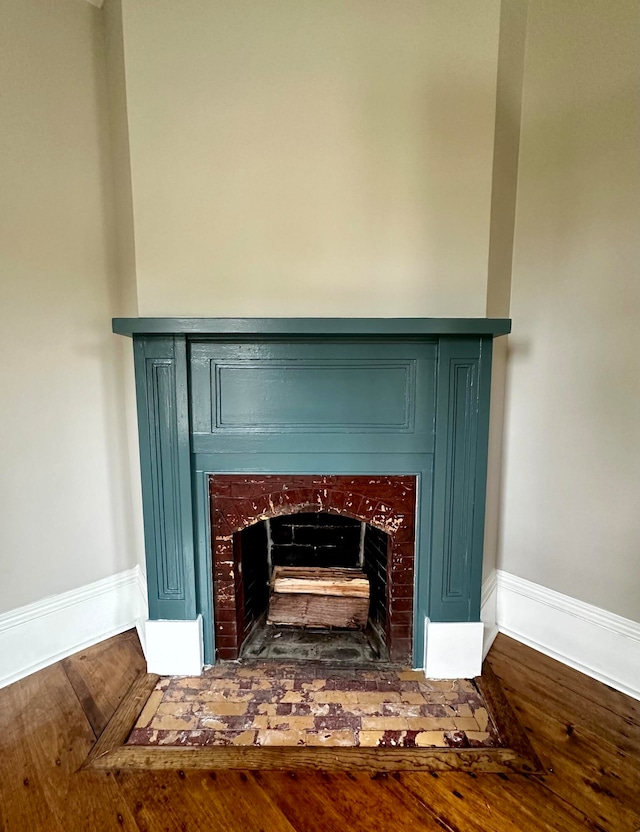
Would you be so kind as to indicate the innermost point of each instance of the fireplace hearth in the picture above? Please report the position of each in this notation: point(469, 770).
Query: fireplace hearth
point(251, 429)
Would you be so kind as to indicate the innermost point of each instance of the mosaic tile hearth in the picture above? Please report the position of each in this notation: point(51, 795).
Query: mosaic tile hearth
point(269, 704)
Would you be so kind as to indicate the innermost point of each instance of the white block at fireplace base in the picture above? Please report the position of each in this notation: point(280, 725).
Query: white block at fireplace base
point(174, 648)
point(453, 650)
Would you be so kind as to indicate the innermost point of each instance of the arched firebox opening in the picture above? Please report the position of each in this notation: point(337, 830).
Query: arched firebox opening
point(339, 607)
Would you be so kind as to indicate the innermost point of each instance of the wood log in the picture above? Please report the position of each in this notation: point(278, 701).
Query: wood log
point(314, 581)
point(316, 597)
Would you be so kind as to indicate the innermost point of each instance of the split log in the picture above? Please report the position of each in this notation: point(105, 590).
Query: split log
point(317, 597)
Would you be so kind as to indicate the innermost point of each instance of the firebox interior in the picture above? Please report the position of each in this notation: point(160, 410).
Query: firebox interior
point(323, 541)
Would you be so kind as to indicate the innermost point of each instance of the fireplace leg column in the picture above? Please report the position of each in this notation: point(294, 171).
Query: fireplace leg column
point(453, 630)
point(173, 633)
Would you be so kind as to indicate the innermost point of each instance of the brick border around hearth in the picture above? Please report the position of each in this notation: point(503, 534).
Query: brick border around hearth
point(240, 500)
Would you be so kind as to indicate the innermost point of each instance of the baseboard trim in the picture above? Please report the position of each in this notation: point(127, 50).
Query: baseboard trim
point(453, 650)
point(39, 634)
point(601, 644)
point(593, 641)
point(489, 612)
point(174, 648)
point(144, 609)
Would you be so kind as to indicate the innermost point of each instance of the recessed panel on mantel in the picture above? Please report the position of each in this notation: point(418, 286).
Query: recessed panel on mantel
point(313, 395)
point(298, 395)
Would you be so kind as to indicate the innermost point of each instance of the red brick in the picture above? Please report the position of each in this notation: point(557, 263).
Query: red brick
point(400, 632)
point(227, 654)
point(226, 641)
point(226, 630)
point(398, 605)
point(400, 650)
point(223, 613)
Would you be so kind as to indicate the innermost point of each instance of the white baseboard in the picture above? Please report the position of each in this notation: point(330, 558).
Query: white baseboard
point(174, 648)
point(596, 642)
point(144, 610)
point(453, 650)
point(489, 612)
point(40, 634)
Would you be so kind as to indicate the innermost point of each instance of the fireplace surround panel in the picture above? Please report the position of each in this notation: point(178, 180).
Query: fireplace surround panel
point(230, 400)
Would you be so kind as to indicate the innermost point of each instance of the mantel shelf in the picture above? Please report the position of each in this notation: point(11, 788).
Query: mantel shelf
point(408, 327)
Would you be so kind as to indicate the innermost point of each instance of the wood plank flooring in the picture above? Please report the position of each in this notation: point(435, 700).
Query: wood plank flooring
point(587, 735)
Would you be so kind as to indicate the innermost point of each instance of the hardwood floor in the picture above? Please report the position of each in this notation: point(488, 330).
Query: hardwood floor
point(587, 735)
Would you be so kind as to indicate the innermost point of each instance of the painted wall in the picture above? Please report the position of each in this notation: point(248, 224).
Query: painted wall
point(311, 158)
point(572, 476)
point(504, 188)
point(65, 504)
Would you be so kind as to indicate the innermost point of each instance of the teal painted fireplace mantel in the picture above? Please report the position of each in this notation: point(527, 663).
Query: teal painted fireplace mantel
point(258, 396)
point(318, 327)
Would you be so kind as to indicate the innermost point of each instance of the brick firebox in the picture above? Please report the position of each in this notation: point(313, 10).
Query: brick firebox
point(385, 502)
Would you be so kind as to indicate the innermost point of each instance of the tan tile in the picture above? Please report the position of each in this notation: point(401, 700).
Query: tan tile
point(464, 710)
point(226, 696)
point(190, 682)
point(270, 737)
point(440, 684)
point(220, 684)
point(174, 709)
point(343, 738)
point(212, 724)
point(326, 696)
point(268, 708)
point(426, 723)
point(314, 684)
point(245, 738)
point(401, 709)
point(411, 675)
point(466, 724)
point(370, 698)
point(350, 697)
point(360, 710)
point(292, 696)
point(430, 738)
point(480, 736)
point(149, 710)
point(442, 723)
point(413, 698)
point(173, 723)
point(260, 721)
point(370, 738)
point(482, 718)
point(222, 708)
point(383, 723)
point(294, 723)
point(175, 695)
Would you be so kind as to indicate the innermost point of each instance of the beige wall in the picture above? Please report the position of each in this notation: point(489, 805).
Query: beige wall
point(572, 484)
point(297, 158)
point(504, 187)
point(311, 158)
point(64, 500)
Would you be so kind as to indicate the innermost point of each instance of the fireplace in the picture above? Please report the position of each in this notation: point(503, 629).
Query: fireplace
point(382, 422)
